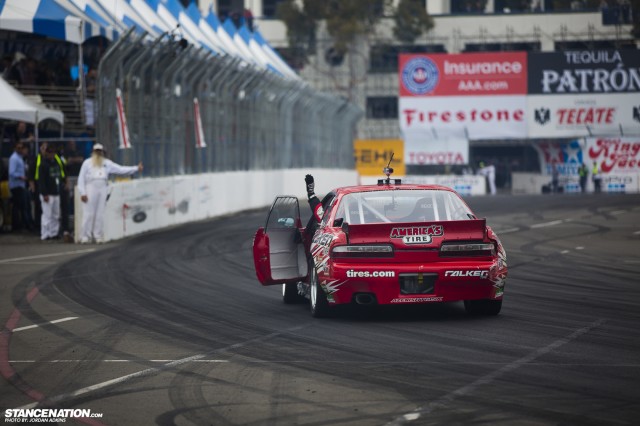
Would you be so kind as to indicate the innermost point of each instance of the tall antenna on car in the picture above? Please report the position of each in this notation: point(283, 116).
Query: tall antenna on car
point(388, 171)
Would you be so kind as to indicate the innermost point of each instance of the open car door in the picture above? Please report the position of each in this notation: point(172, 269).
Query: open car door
point(278, 250)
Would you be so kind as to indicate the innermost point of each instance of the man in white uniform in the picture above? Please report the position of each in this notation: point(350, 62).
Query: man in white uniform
point(489, 172)
point(92, 186)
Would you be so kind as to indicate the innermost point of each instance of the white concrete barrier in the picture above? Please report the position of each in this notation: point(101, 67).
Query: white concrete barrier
point(531, 183)
point(528, 183)
point(142, 205)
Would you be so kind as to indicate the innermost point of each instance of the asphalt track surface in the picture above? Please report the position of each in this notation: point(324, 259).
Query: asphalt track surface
point(172, 327)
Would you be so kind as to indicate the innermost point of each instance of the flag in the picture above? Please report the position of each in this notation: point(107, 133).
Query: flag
point(123, 130)
point(200, 142)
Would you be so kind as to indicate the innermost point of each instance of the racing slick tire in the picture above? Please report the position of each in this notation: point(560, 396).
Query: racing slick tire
point(483, 307)
point(290, 294)
point(317, 297)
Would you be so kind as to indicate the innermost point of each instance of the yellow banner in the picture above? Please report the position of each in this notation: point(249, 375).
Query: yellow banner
point(373, 155)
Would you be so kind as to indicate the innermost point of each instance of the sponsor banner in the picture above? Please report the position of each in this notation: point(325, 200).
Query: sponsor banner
point(421, 148)
point(626, 183)
point(614, 155)
point(372, 155)
point(465, 74)
point(482, 117)
point(582, 115)
point(567, 157)
point(618, 159)
point(573, 72)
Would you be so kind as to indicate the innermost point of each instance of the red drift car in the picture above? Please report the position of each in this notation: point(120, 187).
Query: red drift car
point(388, 244)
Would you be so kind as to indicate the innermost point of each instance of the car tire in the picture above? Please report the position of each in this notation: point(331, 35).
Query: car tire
point(483, 307)
point(290, 293)
point(317, 297)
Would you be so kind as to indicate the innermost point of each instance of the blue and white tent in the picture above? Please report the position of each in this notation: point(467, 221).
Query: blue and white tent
point(122, 12)
point(95, 11)
point(175, 16)
point(229, 27)
point(276, 60)
point(58, 19)
point(254, 48)
point(150, 16)
point(228, 44)
point(194, 13)
point(76, 21)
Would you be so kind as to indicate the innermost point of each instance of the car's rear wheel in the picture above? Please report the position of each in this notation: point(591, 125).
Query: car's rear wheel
point(318, 298)
point(290, 293)
point(483, 306)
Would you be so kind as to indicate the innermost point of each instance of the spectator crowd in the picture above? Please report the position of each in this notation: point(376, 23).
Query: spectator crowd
point(39, 179)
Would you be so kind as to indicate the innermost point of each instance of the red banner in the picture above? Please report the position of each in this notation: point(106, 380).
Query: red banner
point(615, 155)
point(465, 74)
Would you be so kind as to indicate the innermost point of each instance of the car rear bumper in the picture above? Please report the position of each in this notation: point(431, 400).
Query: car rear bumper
point(414, 283)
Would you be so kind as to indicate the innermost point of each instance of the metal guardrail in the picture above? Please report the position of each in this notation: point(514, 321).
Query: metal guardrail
point(252, 119)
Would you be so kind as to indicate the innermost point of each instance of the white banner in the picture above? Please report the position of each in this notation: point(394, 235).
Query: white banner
point(123, 130)
point(567, 116)
point(464, 184)
point(422, 148)
point(480, 117)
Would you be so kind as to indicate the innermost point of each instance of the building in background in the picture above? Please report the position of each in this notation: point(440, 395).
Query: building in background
point(370, 77)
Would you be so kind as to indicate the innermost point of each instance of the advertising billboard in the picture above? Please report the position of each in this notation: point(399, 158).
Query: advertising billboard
point(614, 155)
point(518, 95)
point(422, 148)
point(618, 160)
point(584, 71)
point(583, 93)
point(464, 74)
point(479, 95)
point(372, 155)
point(482, 117)
point(582, 114)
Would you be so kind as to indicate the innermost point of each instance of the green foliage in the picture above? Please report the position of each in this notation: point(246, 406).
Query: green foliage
point(301, 25)
point(411, 20)
point(346, 20)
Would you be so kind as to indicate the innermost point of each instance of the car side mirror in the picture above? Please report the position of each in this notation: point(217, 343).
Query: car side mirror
point(338, 222)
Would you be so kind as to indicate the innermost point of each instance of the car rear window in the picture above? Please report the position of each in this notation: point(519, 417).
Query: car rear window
point(402, 206)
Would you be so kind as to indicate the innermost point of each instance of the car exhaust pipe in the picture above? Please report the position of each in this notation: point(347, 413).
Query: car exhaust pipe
point(365, 299)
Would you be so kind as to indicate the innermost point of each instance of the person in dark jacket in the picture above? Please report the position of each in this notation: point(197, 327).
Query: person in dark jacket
point(50, 176)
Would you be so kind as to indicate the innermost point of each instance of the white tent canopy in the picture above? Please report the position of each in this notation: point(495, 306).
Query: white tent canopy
point(15, 106)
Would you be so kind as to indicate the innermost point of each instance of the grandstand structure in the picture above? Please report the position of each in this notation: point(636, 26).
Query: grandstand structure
point(178, 89)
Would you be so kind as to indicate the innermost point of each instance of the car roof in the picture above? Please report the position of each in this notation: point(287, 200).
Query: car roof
point(391, 187)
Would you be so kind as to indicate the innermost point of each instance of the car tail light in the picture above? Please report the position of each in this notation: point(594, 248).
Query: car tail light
point(467, 249)
point(385, 250)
